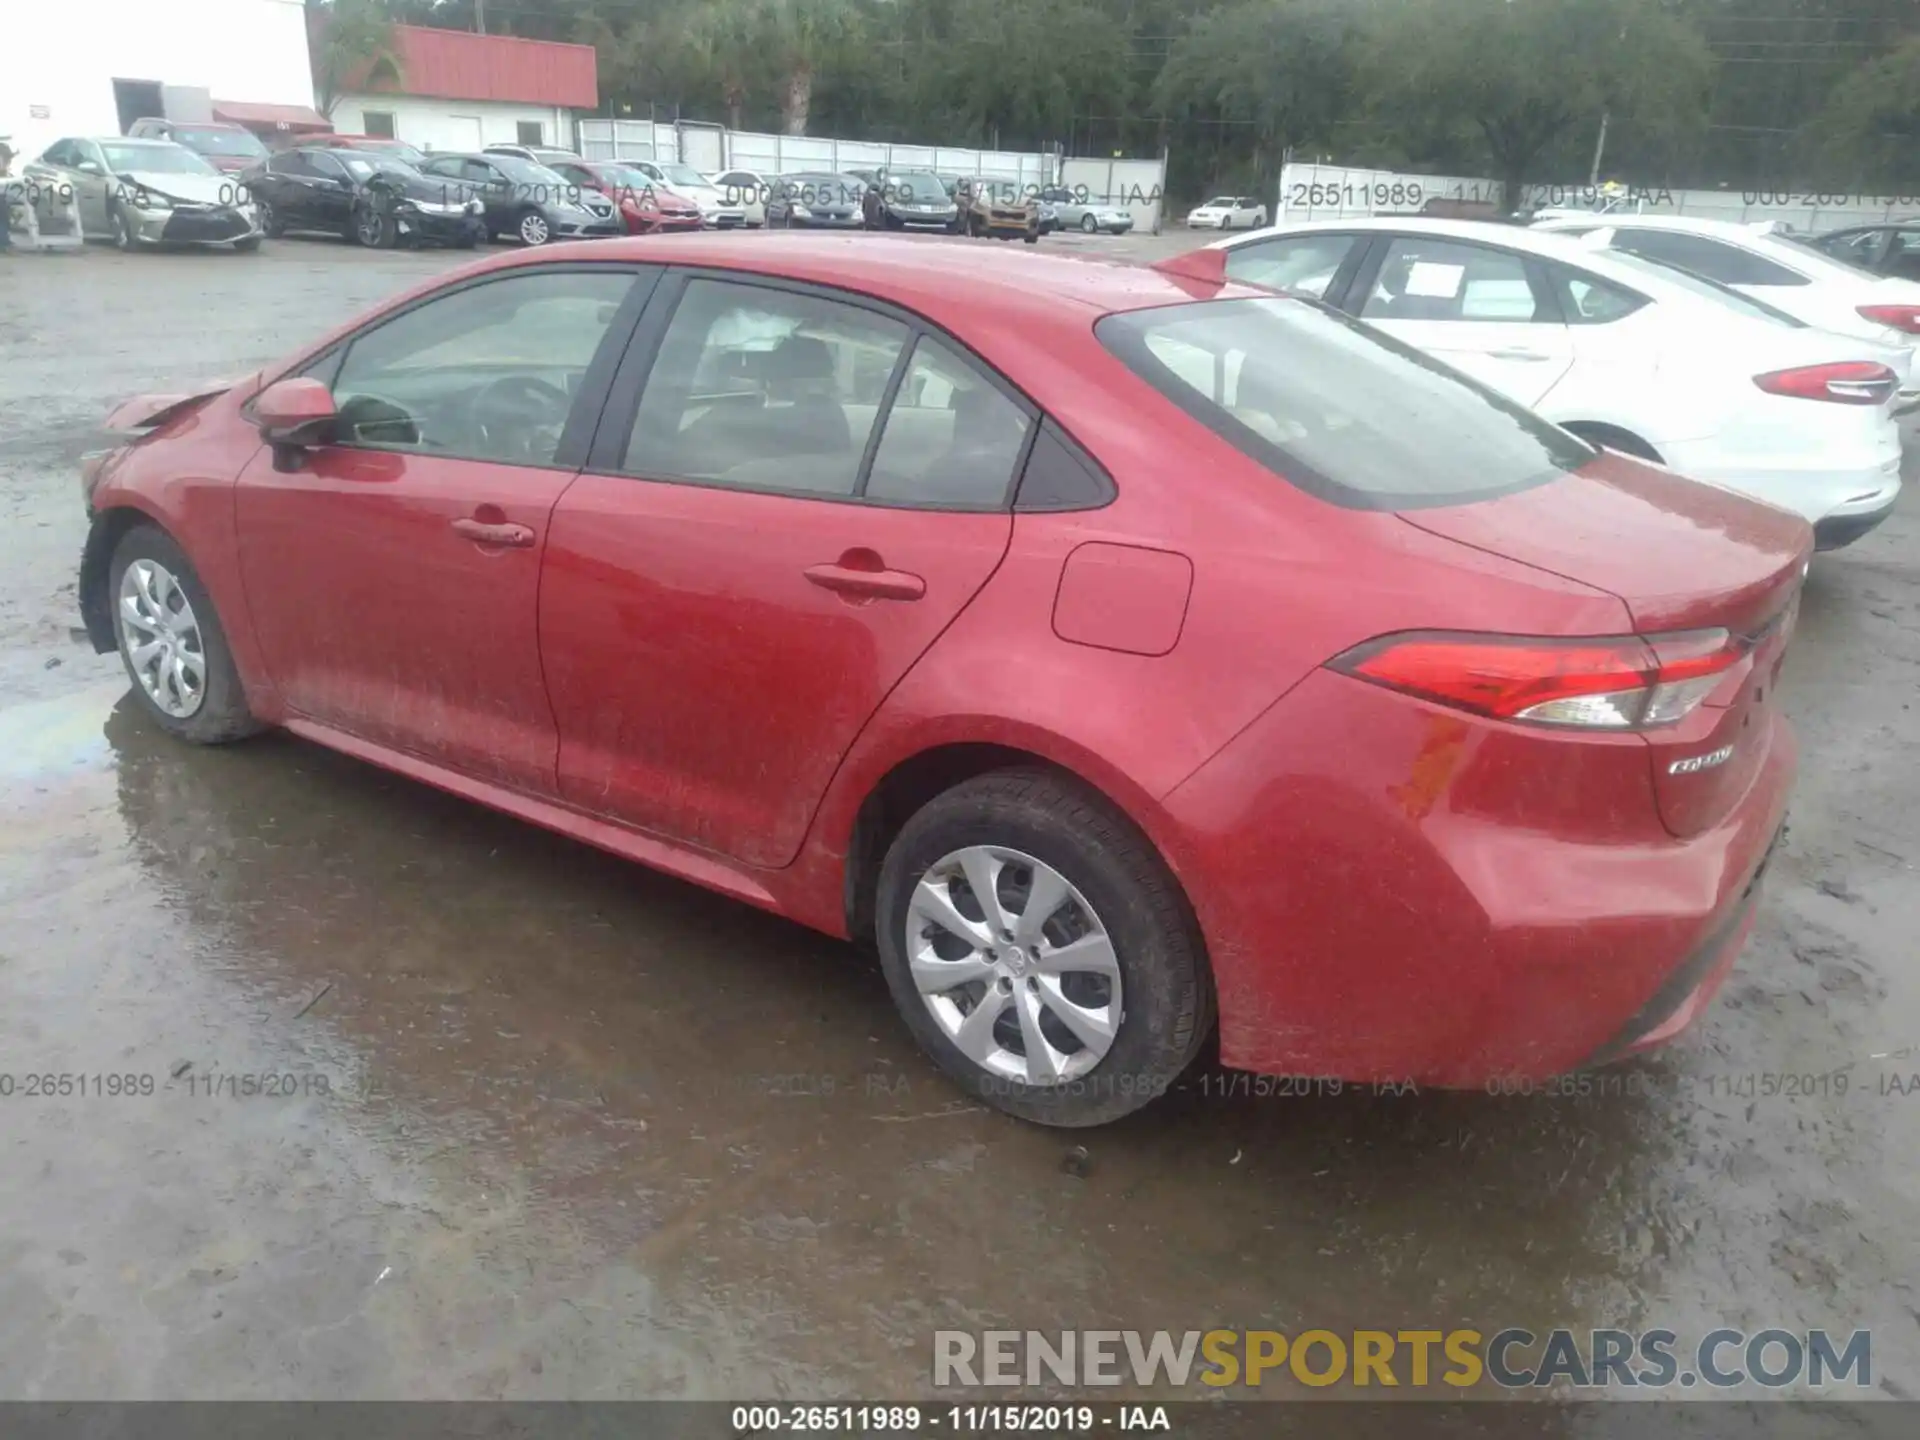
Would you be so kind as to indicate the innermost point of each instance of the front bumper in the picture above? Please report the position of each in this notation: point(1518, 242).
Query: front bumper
point(1386, 894)
point(723, 219)
point(193, 225)
point(855, 221)
point(569, 228)
point(910, 220)
point(440, 229)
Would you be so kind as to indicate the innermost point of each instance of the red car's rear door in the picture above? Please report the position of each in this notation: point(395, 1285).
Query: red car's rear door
point(392, 577)
point(791, 495)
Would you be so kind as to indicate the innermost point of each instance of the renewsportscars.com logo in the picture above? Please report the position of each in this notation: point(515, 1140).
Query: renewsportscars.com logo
point(1510, 1359)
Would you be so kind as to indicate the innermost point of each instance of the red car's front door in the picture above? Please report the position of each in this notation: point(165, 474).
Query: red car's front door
point(720, 618)
point(393, 578)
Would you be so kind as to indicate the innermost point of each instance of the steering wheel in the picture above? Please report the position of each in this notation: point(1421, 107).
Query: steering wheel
point(519, 417)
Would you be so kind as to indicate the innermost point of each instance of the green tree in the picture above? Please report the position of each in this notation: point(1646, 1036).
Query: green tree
point(1530, 76)
point(1869, 132)
point(1268, 75)
point(350, 45)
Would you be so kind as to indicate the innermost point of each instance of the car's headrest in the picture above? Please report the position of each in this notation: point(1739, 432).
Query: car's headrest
point(799, 357)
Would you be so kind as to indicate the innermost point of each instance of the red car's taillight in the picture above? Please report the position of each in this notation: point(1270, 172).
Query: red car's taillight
point(1617, 683)
point(1849, 382)
point(1900, 317)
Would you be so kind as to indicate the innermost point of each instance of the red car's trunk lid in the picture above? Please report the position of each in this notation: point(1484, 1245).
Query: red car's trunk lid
point(1681, 556)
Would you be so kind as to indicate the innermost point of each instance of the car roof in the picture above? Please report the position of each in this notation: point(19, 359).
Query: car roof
point(1546, 244)
point(943, 279)
point(155, 141)
point(1686, 224)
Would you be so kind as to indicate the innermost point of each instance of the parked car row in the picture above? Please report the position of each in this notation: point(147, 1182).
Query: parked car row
point(1734, 357)
point(945, 651)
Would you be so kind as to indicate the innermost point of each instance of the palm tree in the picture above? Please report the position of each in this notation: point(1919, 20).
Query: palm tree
point(350, 43)
point(793, 37)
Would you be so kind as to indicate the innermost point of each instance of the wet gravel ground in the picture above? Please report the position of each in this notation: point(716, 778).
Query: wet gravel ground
point(561, 1127)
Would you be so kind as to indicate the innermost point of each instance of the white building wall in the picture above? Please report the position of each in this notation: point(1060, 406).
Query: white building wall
point(59, 59)
point(453, 124)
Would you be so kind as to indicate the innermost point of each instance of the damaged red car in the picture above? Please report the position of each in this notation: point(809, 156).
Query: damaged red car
point(1132, 657)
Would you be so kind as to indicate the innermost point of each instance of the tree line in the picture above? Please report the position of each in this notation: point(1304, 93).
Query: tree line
point(1746, 94)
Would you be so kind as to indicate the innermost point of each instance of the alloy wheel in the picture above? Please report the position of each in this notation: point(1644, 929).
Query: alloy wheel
point(122, 231)
point(161, 638)
point(371, 228)
point(1089, 224)
point(1014, 965)
point(533, 228)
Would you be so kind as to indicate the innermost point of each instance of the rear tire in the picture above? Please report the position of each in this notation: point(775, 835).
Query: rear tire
point(1153, 1014)
point(185, 625)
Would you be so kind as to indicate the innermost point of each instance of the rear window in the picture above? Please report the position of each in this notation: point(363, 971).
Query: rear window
point(1336, 407)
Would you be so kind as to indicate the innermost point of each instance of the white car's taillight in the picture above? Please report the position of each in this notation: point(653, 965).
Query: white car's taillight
point(1613, 683)
point(1896, 317)
point(1849, 382)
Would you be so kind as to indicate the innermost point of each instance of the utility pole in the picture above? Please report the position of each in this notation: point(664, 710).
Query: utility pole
point(1599, 149)
point(480, 17)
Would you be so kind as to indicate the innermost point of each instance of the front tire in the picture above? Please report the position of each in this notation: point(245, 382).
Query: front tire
point(1080, 993)
point(375, 229)
point(171, 642)
point(248, 245)
point(121, 230)
point(1090, 225)
point(533, 229)
point(270, 222)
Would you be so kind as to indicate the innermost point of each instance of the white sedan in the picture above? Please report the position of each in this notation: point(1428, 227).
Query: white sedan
point(1768, 265)
point(1228, 212)
point(747, 189)
point(1629, 355)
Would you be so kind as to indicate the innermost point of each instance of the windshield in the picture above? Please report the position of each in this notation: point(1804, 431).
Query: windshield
point(685, 175)
point(362, 166)
point(1706, 289)
point(155, 160)
point(1220, 202)
point(530, 172)
point(917, 187)
point(1296, 386)
point(209, 140)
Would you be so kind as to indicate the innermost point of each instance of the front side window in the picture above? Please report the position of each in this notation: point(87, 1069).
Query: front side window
point(952, 437)
point(1297, 264)
point(1297, 387)
point(1428, 279)
point(764, 389)
point(486, 373)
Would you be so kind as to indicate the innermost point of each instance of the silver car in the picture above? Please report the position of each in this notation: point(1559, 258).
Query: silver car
point(1077, 210)
point(144, 192)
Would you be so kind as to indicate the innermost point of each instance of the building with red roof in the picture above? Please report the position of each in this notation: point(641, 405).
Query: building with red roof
point(455, 90)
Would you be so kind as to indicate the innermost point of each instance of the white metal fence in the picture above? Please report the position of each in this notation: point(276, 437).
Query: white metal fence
point(1138, 186)
point(1339, 192)
point(712, 148)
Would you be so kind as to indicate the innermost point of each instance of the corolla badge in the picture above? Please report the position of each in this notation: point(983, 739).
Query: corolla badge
point(1701, 762)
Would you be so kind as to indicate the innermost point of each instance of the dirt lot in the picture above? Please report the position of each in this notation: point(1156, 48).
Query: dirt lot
point(589, 1132)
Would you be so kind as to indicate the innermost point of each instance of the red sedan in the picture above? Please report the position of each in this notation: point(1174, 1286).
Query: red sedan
point(1115, 648)
point(644, 207)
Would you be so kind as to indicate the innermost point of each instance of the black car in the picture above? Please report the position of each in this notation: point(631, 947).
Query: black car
point(527, 200)
point(816, 200)
point(910, 200)
point(375, 199)
point(1891, 249)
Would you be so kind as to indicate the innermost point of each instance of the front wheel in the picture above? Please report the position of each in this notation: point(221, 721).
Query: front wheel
point(1040, 951)
point(374, 228)
point(171, 642)
point(270, 222)
point(1089, 224)
point(247, 246)
point(533, 229)
point(121, 228)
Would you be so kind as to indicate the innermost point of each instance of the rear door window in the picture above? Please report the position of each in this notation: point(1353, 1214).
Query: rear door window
point(1300, 388)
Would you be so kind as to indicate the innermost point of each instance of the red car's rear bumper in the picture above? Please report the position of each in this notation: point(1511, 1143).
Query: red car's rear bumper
point(1391, 891)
